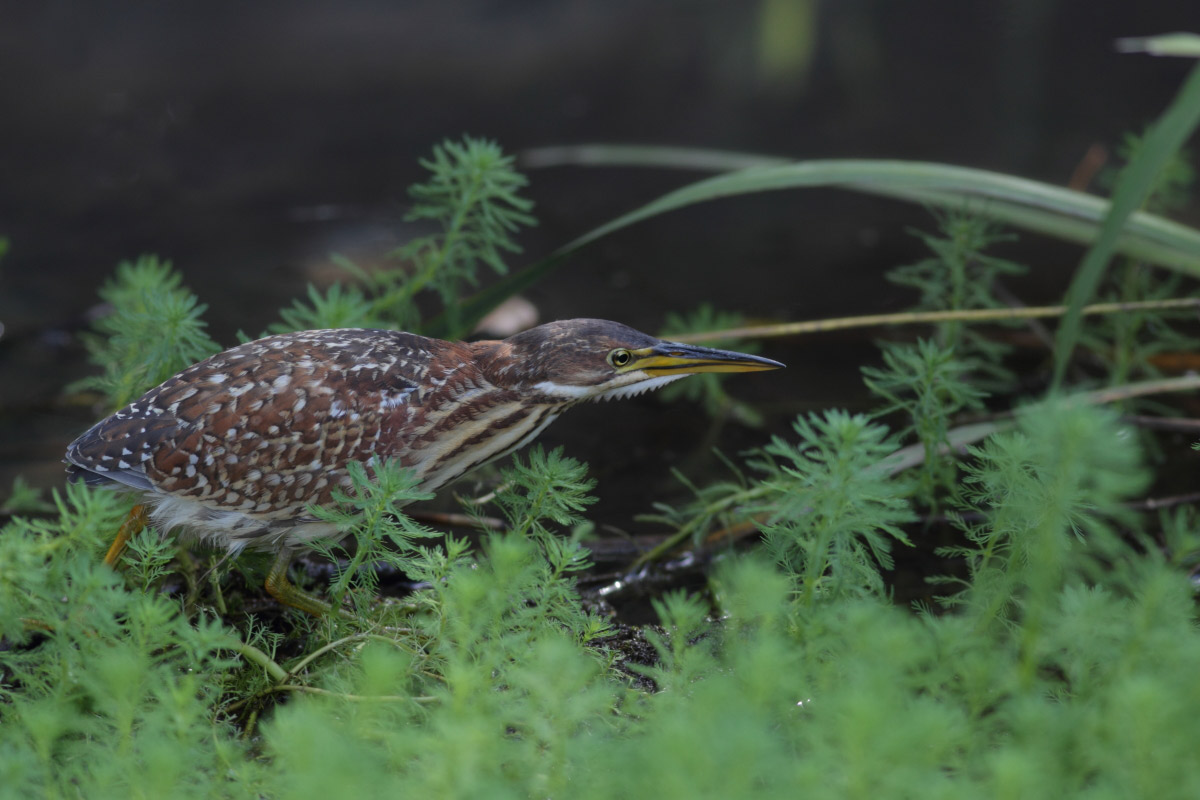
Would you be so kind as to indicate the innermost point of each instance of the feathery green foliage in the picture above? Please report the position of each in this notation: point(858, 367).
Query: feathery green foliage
point(1051, 492)
point(153, 331)
point(1061, 666)
point(959, 276)
point(339, 306)
point(371, 512)
point(472, 196)
point(1128, 346)
point(550, 488)
point(24, 499)
point(834, 507)
point(927, 384)
point(100, 687)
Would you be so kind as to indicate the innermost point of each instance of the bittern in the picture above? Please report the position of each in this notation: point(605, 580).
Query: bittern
point(235, 449)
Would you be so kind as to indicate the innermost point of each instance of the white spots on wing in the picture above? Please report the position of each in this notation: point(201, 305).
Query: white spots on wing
point(122, 464)
point(389, 401)
point(281, 382)
point(217, 377)
point(337, 410)
point(125, 451)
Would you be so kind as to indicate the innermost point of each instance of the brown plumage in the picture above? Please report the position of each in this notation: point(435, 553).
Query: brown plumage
point(235, 449)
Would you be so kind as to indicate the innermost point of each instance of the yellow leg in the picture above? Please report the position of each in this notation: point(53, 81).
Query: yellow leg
point(283, 590)
point(132, 526)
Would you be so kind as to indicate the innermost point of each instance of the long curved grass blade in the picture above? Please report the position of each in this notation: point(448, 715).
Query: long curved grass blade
point(1134, 185)
point(1036, 206)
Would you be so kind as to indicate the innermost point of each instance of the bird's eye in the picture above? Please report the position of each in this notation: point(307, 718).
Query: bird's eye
point(619, 358)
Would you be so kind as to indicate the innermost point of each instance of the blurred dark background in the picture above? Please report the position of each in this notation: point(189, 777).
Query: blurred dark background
point(247, 142)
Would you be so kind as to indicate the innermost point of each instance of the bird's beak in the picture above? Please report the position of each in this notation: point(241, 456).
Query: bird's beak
point(673, 358)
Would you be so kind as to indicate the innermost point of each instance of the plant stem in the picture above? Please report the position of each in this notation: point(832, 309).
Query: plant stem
point(922, 317)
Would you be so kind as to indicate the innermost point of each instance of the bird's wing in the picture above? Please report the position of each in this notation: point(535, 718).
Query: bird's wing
point(266, 427)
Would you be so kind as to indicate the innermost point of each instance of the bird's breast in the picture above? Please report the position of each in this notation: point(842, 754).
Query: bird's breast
point(457, 443)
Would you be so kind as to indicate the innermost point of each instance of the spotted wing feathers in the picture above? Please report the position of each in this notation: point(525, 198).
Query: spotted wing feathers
point(268, 427)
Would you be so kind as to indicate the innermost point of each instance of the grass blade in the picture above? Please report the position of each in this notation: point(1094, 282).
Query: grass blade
point(1032, 205)
point(1134, 185)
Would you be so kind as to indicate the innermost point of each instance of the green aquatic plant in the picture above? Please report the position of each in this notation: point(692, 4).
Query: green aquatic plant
point(154, 329)
point(472, 196)
point(1061, 665)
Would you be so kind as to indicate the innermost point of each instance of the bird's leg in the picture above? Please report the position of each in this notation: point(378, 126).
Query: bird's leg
point(132, 526)
point(283, 590)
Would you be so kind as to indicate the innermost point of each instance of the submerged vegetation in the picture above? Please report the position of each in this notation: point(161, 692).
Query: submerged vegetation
point(1055, 656)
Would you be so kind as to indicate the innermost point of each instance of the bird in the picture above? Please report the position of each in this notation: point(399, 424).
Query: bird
point(237, 448)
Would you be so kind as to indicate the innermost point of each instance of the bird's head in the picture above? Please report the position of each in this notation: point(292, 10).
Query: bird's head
point(593, 359)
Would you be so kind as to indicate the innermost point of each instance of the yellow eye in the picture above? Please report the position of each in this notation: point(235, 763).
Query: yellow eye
point(619, 358)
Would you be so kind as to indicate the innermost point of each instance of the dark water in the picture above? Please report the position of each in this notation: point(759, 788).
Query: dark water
point(247, 142)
